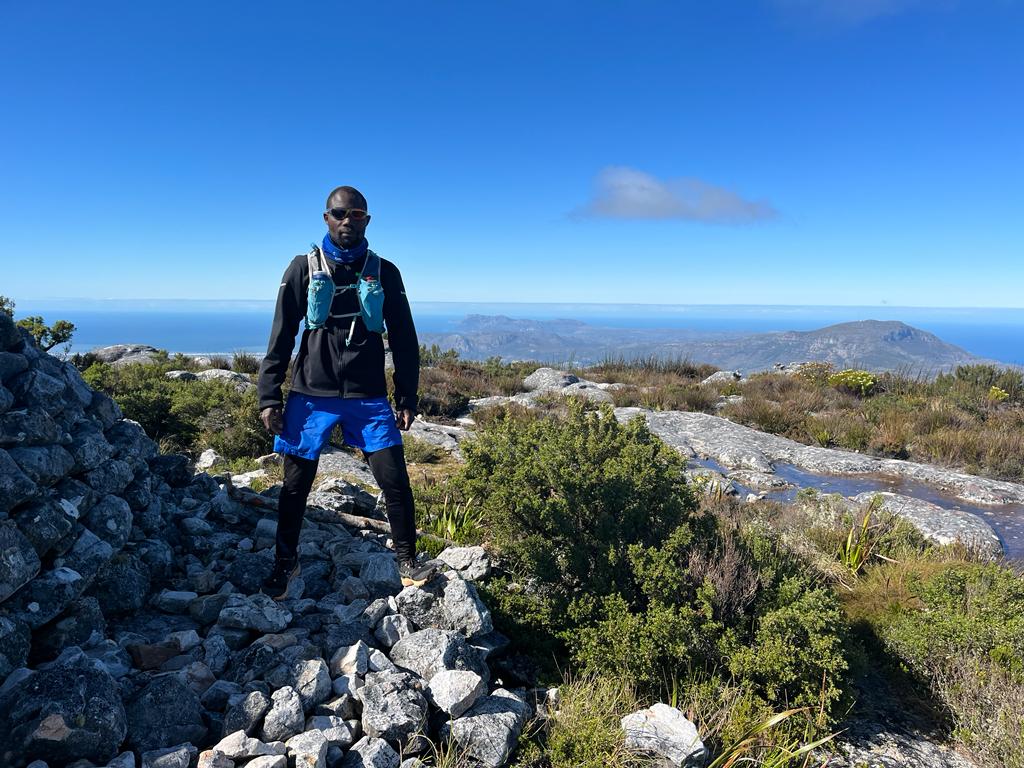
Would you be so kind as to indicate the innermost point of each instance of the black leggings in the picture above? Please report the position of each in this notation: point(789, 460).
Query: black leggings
point(388, 467)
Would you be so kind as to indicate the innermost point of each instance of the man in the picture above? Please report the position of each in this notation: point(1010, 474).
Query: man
point(338, 378)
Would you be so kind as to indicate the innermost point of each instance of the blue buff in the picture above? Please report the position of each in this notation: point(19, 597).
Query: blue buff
point(344, 255)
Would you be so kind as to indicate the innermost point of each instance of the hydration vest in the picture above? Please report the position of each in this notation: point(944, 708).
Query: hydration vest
point(320, 294)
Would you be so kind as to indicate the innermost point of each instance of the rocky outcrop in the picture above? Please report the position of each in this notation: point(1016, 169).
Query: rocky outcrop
point(131, 631)
point(125, 354)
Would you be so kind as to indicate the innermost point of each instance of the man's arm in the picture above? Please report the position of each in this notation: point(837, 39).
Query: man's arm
point(287, 316)
point(405, 346)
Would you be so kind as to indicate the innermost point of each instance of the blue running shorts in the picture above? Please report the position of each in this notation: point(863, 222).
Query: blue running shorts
point(368, 423)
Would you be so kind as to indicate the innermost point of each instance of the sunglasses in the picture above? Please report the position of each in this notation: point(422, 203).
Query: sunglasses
point(356, 214)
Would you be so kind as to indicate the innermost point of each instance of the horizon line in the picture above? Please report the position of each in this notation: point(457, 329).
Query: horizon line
point(65, 299)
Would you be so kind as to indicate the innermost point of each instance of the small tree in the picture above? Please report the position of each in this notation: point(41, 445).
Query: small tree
point(46, 336)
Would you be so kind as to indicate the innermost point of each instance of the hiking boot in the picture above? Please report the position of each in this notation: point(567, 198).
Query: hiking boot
point(414, 575)
point(277, 583)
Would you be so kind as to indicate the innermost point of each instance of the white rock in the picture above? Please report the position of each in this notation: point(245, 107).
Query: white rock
point(213, 758)
point(392, 629)
point(371, 753)
point(208, 459)
point(489, 731)
point(269, 761)
point(347, 685)
point(454, 691)
point(722, 377)
point(285, 718)
point(308, 750)
point(464, 611)
point(337, 732)
point(379, 662)
point(549, 378)
point(237, 745)
point(664, 731)
point(350, 660)
point(471, 562)
point(240, 381)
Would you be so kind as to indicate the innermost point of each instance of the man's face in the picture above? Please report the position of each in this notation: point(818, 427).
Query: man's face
point(347, 231)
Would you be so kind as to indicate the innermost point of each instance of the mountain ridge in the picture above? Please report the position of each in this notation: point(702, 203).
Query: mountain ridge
point(875, 344)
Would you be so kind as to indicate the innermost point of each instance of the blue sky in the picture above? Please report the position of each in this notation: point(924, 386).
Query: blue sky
point(779, 152)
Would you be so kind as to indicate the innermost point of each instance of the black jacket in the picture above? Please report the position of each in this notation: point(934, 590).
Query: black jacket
point(324, 365)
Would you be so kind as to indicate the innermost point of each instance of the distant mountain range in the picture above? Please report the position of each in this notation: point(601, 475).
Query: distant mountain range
point(872, 344)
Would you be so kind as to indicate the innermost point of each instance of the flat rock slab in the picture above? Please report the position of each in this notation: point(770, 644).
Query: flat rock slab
point(738, 447)
point(752, 455)
point(937, 523)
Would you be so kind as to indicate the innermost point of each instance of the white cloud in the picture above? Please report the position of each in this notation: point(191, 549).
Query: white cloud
point(626, 193)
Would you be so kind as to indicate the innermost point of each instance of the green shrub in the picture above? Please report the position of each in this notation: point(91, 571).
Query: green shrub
point(563, 499)
point(232, 426)
point(244, 362)
point(817, 373)
point(182, 415)
point(967, 609)
point(853, 382)
point(419, 451)
point(725, 600)
point(445, 512)
point(433, 355)
point(982, 378)
point(962, 633)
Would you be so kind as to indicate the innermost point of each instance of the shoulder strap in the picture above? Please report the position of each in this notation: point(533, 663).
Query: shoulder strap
point(372, 265)
point(311, 262)
point(316, 261)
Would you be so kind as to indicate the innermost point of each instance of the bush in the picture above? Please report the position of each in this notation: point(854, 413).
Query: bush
point(670, 397)
point(853, 382)
point(734, 601)
point(243, 362)
point(187, 416)
point(817, 373)
point(565, 498)
point(765, 415)
point(982, 378)
point(963, 634)
point(222, 362)
point(433, 355)
point(448, 384)
point(419, 451)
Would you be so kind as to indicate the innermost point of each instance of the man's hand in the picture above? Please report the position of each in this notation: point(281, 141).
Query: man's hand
point(404, 419)
point(272, 420)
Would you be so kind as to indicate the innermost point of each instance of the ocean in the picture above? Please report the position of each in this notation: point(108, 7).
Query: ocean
point(197, 327)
